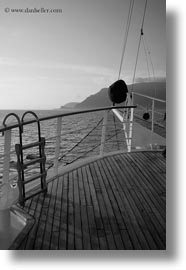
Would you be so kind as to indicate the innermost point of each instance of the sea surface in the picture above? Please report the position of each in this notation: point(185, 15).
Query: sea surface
point(80, 136)
point(74, 129)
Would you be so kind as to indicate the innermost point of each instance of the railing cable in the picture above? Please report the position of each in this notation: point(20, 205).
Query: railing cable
point(138, 49)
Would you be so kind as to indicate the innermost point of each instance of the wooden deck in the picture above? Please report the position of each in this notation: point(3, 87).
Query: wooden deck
point(116, 202)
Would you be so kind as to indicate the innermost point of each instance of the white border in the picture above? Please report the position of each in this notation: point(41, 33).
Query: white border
point(175, 257)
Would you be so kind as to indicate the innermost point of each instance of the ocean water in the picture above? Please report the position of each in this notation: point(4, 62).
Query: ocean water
point(74, 129)
point(75, 144)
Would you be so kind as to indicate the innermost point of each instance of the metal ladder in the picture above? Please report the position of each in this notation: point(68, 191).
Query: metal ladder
point(22, 165)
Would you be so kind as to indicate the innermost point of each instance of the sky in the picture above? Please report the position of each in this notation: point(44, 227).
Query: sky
point(48, 59)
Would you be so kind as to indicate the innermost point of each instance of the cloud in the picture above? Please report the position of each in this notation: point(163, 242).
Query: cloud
point(100, 71)
point(7, 61)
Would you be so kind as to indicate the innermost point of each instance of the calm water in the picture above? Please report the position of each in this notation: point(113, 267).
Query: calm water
point(74, 128)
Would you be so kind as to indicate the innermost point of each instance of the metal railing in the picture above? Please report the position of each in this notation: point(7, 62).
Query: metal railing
point(64, 145)
point(8, 182)
point(156, 117)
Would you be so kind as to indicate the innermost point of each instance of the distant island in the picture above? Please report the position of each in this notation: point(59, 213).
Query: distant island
point(70, 105)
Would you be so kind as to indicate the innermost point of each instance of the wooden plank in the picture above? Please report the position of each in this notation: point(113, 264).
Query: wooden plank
point(94, 200)
point(144, 182)
point(113, 203)
point(155, 233)
point(95, 243)
point(144, 185)
point(84, 218)
point(113, 218)
point(26, 208)
point(77, 218)
point(154, 199)
point(50, 217)
point(135, 215)
point(70, 212)
point(54, 244)
point(136, 205)
point(160, 169)
point(94, 216)
point(39, 234)
point(100, 232)
point(86, 187)
point(120, 212)
point(147, 214)
point(63, 236)
point(39, 230)
point(125, 210)
point(110, 189)
point(144, 165)
point(158, 156)
point(151, 198)
point(104, 216)
point(156, 228)
point(33, 211)
point(151, 172)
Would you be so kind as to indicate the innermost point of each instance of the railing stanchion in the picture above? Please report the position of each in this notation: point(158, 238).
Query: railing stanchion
point(58, 143)
point(152, 124)
point(103, 134)
point(6, 163)
point(4, 203)
point(152, 127)
point(130, 129)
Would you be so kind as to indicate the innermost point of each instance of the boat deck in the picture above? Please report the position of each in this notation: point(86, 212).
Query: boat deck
point(115, 202)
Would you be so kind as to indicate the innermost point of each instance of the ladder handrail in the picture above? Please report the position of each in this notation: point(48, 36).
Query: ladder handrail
point(36, 120)
point(19, 125)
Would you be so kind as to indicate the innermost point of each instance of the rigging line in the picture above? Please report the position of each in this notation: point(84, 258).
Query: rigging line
point(126, 35)
point(59, 159)
point(141, 34)
point(146, 57)
point(144, 14)
point(84, 154)
point(152, 66)
point(150, 58)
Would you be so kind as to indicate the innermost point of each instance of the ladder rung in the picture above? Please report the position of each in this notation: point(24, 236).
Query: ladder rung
point(30, 145)
point(33, 161)
point(30, 179)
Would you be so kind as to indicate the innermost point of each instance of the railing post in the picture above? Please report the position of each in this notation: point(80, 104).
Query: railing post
point(130, 129)
point(4, 203)
point(58, 143)
point(152, 126)
point(103, 134)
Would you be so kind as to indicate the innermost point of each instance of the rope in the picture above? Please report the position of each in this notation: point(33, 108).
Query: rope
point(152, 66)
point(81, 140)
point(146, 57)
point(126, 35)
point(93, 148)
point(141, 34)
